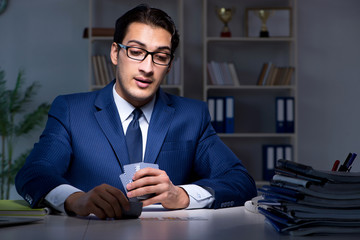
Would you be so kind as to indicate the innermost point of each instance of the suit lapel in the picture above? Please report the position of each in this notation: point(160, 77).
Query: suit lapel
point(160, 122)
point(108, 118)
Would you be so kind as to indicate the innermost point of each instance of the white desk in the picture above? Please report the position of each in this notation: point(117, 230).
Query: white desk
point(158, 224)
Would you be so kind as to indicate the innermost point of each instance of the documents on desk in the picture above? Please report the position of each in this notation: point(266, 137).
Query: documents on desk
point(302, 201)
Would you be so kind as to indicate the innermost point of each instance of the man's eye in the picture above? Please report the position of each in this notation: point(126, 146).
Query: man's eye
point(136, 52)
point(162, 57)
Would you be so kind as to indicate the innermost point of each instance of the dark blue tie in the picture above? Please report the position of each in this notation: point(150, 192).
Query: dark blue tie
point(134, 138)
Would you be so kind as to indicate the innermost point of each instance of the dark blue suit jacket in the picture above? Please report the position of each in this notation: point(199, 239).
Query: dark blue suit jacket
point(83, 144)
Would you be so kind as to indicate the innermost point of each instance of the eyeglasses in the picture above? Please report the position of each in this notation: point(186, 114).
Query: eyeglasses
point(139, 54)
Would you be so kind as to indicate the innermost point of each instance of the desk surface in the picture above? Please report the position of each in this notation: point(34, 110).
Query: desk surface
point(158, 224)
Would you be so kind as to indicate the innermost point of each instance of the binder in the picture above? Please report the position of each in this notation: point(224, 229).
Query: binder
point(279, 152)
point(211, 107)
point(289, 120)
point(280, 115)
point(268, 162)
point(288, 152)
point(229, 114)
point(219, 115)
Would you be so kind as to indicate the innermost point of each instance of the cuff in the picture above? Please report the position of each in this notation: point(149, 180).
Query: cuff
point(56, 197)
point(199, 197)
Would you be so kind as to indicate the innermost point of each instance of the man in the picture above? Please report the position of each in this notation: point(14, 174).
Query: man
point(76, 164)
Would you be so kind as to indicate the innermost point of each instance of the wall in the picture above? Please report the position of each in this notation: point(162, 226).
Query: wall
point(45, 39)
point(329, 83)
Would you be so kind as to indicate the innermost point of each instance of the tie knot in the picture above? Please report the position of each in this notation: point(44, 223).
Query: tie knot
point(137, 113)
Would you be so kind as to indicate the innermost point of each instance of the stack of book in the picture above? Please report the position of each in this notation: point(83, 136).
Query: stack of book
point(222, 73)
point(301, 200)
point(271, 75)
point(104, 70)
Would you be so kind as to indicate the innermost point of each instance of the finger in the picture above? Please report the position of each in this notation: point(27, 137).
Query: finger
point(98, 212)
point(104, 202)
point(153, 189)
point(147, 172)
point(110, 200)
point(153, 200)
point(142, 182)
point(120, 201)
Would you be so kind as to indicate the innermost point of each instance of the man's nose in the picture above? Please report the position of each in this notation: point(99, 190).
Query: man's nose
point(147, 64)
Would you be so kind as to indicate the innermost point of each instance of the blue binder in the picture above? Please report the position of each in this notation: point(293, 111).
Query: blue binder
point(229, 114)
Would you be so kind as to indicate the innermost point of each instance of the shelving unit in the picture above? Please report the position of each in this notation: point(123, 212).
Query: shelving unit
point(254, 105)
point(104, 13)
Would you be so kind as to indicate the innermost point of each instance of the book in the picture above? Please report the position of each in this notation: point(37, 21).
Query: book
point(96, 71)
point(20, 208)
point(234, 74)
point(263, 71)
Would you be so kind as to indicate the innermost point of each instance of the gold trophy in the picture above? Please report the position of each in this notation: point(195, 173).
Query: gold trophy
point(264, 16)
point(225, 15)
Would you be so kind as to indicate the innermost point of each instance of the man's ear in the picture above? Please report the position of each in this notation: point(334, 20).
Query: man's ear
point(114, 53)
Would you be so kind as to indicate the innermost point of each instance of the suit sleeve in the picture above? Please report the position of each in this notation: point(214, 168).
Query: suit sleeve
point(220, 170)
point(47, 163)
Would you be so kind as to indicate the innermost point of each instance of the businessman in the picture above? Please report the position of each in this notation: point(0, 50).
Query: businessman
point(84, 147)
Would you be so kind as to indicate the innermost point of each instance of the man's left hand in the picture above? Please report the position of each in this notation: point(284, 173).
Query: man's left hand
point(156, 181)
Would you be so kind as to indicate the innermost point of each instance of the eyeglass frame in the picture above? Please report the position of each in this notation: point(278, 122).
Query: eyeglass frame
point(147, 53)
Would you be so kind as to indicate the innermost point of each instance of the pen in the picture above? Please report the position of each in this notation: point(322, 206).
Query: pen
point(343, 167)
point(348, 166)
point(335, 166)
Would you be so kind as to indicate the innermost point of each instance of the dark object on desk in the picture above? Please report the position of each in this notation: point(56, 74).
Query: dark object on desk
point(302, 201)
point(135, 209)
point(11, 221)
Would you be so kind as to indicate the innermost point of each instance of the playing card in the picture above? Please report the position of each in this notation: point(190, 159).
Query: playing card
point(130, 170)
point(125, 180)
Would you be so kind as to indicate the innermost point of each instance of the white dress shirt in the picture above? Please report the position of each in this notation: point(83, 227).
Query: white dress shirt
point(199, 197)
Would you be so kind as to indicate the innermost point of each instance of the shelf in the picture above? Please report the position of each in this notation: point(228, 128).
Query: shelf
point(249, 39)
point(256, 135)
point(250, 87)
point(254, 110)
point(104, 38)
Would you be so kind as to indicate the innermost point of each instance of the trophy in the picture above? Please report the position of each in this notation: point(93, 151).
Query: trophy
point(225, 15)
point(264, 16)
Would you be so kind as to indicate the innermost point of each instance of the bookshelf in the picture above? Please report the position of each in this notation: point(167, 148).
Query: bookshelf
point(254, 108)
point(102, 17)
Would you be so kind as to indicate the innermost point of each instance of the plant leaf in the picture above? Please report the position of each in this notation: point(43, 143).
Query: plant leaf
point(15, 167)
point(32, 120)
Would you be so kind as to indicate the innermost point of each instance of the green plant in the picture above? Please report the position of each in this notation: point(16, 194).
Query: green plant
point(15, 122)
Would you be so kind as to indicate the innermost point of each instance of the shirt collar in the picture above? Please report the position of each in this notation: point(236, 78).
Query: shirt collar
point(125, 109)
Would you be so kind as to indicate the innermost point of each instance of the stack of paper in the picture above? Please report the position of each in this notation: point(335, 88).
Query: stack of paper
point(20, 208)
point(301, 200)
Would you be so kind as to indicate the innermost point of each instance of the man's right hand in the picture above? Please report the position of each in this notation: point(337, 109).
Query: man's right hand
point(104, 201)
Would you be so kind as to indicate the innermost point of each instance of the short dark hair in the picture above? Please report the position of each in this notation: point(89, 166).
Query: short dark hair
point(147, 15)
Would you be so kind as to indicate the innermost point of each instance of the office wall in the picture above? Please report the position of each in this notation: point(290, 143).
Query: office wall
point(329, 82)
point(44, 38)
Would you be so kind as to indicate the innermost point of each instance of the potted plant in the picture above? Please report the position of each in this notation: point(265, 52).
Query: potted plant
point(16, 121)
